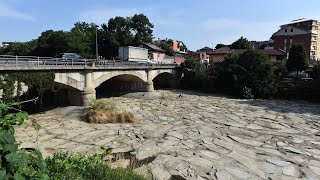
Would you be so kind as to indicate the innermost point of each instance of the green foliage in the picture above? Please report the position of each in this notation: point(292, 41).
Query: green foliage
point(183, 47)
point(17, 163)
point(121, 31)
point(142, 28)
point(280, 69)
point(81, 39)
point(218, 46)
point(300, 90)
point(20, 49)
point(249, 76)
point(166, 47)
point(297, 58)
point(67, 166)
point(242, 43)
point(101, 105)
point(51, 43)
point(195, 74)
point(315, 73)
point(39, 82)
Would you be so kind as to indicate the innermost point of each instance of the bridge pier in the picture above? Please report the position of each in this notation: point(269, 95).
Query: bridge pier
point(149, 84)
point(89, 92)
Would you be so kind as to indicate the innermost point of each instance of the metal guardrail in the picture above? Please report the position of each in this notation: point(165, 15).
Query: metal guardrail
point(8, 62)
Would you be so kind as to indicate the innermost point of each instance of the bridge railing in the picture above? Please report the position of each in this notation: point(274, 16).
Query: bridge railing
point(6, 60)
point(33, 61)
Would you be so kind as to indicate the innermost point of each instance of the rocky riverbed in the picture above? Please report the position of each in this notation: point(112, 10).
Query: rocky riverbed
point(186, 135)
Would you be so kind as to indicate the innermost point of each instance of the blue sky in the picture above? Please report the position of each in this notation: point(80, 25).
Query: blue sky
point(197, 23)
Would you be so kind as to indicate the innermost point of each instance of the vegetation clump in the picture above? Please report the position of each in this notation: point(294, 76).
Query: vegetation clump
point(17, 163)
point(37, 82)
point(101, 112)
point(83, 167)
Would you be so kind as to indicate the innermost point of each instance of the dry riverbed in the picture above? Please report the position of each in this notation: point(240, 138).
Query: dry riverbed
point(194, 136)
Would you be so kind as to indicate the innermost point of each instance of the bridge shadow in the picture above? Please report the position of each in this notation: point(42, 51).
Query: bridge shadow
point(285, 106)
point(59, 96)
point(275, 105)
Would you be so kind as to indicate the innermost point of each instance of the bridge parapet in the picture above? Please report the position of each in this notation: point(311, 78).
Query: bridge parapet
point(29, 63)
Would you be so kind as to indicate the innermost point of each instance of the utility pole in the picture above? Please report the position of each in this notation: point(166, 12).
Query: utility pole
point(97, 51)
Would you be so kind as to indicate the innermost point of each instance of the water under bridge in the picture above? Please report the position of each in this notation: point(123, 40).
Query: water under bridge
point(84, 77)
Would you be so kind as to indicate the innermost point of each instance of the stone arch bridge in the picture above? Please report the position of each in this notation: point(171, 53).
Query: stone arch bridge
point(83, 81)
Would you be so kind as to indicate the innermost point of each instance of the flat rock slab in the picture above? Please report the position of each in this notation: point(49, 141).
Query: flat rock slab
point(188, 135)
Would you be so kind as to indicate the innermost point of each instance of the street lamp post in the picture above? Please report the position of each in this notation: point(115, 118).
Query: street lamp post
point(97, 51)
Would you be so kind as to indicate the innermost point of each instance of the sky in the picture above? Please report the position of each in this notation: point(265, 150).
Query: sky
point(197, 23)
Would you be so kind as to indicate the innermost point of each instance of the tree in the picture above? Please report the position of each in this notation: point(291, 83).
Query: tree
point(142, 28)
point(120, 31)
point(183, 47)
point(242, 43)
point(251, 75)
point(195, 76)
point(51, 43)
point(316, 71)
point(166, 47)
point(20, 49)
point(280, 69)
point(81, 39)
point(218, 46)
point(297, 59)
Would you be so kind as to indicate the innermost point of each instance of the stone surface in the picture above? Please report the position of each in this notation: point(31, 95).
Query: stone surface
point(189, 135)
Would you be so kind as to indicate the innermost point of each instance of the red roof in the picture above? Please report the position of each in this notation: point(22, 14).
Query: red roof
point(227, 50)
point(272, 52)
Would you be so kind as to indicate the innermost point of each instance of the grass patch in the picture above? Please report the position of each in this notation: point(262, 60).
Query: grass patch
point(101, 112)
point(83, 167)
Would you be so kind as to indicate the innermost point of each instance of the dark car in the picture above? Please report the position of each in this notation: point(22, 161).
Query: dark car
point(68, 56)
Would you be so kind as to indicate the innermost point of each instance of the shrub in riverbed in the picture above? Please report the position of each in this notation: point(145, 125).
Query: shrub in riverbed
point(101, 112)
point(76, 166)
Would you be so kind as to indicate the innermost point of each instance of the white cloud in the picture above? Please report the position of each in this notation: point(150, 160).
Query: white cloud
point(9, 12)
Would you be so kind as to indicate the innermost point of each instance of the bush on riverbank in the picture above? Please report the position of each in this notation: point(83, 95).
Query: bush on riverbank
point(101, 112)
point(250, 75)
point(76, 166)
point(300, 90)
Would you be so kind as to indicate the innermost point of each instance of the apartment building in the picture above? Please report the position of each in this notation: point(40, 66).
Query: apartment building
point(301, 31)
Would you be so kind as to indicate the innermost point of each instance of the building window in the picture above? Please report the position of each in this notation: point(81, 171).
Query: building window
point(286, 30)
point(313, 53)
point(291, 30)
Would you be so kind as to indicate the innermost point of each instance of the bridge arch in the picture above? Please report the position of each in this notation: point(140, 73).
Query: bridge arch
point(67, 80)
point(155, 73)
point(164, 80)
point(109, 75)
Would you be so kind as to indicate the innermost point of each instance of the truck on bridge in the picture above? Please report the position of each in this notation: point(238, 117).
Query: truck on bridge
point(135, 54)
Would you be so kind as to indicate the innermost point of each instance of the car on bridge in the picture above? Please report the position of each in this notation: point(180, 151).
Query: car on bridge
point(68, 59)
point(68, 56)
